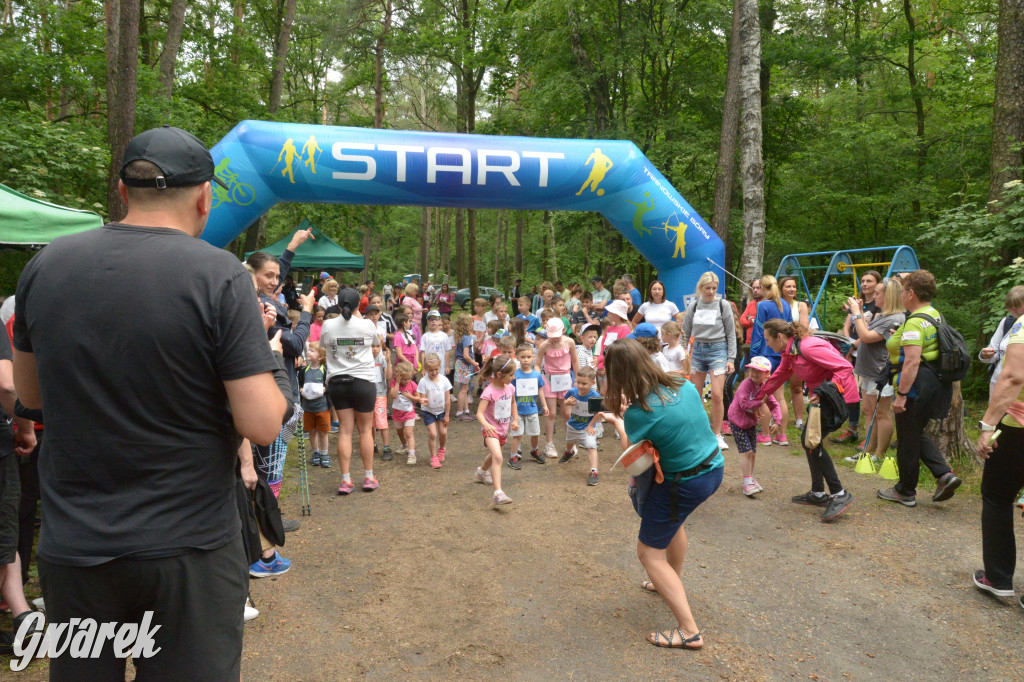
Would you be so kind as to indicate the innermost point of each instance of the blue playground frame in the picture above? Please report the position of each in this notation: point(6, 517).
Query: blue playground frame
point(841, 264)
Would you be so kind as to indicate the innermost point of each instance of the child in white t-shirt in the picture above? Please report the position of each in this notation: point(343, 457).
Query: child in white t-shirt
point(436, 341)
point(673, 354)
point(434, 394)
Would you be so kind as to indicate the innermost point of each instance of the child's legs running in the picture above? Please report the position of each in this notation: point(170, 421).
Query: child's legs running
point(592, 456)
point(432, 439)
point(747, 464)
point(410, 442)
point(549, 421)
point(442, 434)
point(463, 397)
point(493, 461)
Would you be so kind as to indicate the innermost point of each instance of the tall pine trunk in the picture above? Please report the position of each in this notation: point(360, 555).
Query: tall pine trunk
point(1008, 108)
point(751, 162)
point(121, 99)
point(172, 43)
point(730, 125)
point(520, 228)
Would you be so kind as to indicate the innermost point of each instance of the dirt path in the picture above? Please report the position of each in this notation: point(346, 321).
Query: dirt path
point(423, 579)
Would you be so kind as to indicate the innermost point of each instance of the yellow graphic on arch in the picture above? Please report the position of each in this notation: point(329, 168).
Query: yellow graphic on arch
point(600, 168)
point(311, 150)
point(680, 231)
point(289, 153)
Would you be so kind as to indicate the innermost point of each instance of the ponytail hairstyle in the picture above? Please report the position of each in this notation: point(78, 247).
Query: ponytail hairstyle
point(348, 301)
point(498, 364)
point(257, 259)
point(770, 291)
point(777, 327)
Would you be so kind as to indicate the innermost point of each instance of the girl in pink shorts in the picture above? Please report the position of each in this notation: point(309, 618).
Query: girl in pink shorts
point(557, 355)
point(497, 410)
point(403, 407)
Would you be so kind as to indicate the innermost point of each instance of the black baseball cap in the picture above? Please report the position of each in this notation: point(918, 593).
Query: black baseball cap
point(181, 157)
point(597, 278)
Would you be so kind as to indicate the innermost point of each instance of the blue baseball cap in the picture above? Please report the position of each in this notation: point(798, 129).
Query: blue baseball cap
point(644, 330)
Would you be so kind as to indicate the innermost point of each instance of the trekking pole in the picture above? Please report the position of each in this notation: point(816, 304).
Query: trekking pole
point(303, 476)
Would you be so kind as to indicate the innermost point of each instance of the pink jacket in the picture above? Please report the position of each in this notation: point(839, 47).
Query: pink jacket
point(745, 402)
point(817, 362)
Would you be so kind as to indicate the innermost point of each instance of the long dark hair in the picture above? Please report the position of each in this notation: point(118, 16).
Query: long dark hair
point(257, 259)
point(633, 375)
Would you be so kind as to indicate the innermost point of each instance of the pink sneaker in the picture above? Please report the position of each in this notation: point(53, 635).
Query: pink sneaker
point(726, 429)
point(763, 439)
point(781, 441)
point(751, 489)
point(440, 454)
point(370, 484)
point(435, 461)
point(346, 487)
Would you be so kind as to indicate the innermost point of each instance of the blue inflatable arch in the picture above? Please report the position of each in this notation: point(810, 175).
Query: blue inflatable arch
point(264, 163)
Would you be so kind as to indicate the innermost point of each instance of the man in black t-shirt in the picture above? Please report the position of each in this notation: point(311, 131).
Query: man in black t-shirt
point(146, 400)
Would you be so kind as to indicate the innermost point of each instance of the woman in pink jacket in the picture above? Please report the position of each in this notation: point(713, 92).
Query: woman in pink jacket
point(815, 362)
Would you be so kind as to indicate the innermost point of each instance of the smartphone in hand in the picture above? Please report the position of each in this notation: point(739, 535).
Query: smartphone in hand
point(595, 405)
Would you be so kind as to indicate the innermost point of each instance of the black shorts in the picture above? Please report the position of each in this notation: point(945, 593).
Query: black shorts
point(197, 598)
point(10, 499)
point(348, 393)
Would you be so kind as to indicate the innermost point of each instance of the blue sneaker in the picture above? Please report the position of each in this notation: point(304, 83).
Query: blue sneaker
point(316, 458)
point(325, 460)
point(275, 566)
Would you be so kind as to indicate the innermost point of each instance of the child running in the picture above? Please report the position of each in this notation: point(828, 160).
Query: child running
point(496, 411)
point(403, 396)
point(580, 427)
point(434, 393)
point(528, 384)
point(673, 355)
point(743, 416)
point(465, 364)
point(316, 417)
point(558, 357)
point(436, 341)
point(382, 379)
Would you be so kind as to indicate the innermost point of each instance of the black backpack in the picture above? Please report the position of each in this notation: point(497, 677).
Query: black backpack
point(954, 359)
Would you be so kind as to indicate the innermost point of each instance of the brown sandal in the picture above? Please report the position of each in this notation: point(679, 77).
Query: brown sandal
point(669, 644)
point(648, 586)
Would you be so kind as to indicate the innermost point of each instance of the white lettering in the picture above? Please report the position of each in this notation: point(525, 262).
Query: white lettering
point(25, 645)
point(483, 167)
point(543, 156)
point(81, 643)
point(433, 166)
point(371, 164)
point(401, 151)
point(124, 639)
point(58, 636)
point(107, 631)
point(144, 644)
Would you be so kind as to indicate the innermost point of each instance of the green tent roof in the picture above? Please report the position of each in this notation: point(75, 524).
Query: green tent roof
point(320, 252)
point(25, 221)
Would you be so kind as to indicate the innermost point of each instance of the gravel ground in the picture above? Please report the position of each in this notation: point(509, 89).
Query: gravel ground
point(423, 579)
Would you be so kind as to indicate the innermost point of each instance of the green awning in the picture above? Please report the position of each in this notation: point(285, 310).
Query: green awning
point(25, 221)
point(319, 253)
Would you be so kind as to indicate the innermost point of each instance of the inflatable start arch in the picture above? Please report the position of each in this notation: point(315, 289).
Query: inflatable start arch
point(264, 163)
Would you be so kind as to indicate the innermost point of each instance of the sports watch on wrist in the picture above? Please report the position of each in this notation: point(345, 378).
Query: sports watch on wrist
point(982, 426)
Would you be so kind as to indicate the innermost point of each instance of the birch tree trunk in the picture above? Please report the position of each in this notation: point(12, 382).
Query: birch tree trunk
point(751, 162)
point(730, 125)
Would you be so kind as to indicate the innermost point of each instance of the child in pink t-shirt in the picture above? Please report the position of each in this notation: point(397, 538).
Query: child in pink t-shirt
point(405, 343)
point(557, 355)
point(403, 407)
point(497, 410)
point(317, 325)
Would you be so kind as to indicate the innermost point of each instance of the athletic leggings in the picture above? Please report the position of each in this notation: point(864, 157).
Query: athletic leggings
point(823, 469)
point(269, 459)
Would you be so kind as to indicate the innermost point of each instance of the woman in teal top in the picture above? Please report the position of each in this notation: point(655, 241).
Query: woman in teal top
point(666, 410)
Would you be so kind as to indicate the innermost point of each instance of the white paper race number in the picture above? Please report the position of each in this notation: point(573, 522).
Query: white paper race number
point(526, 387)
point(561, 382)
point(503, 409)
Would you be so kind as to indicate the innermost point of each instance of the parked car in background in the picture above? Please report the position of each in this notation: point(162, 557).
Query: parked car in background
point(462, 298)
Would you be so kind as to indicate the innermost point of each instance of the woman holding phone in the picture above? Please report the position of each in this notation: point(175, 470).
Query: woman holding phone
point(667, 411)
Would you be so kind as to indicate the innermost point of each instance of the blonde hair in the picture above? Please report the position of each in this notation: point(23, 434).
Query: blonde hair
point(331, 283)
point(404, 369)
point(770, 290)
point(893, 297)
point(671, 328)
point(411, 289)
point(430, 360)
point(463, 325)
point(706, 278)
point(507, 344)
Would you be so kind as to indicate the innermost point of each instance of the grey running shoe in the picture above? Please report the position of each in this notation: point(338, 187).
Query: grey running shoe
point(893, 495)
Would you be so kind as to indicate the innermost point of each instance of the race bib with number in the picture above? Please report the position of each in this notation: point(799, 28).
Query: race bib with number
point(581, 408)
point(561, 382)
point(705, 316)
point(402, 404)
point(609, 338)
point(503, 409)
point(378, 374)
point(435, 400)
point(526, 387)
point(479, 326)
point(911, 336)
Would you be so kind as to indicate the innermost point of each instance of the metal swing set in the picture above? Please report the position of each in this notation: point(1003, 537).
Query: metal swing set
point(842, 264)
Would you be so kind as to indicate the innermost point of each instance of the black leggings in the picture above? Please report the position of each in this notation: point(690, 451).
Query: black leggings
point(1001, 480)
point(823, 469)
point(916, 446)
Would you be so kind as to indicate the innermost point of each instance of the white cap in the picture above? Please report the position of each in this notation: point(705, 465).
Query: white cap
point(618, 307)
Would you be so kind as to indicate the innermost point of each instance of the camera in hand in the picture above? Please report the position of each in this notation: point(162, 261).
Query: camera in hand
point(595, 405)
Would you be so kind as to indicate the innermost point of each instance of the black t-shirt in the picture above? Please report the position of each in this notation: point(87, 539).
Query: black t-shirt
point(139, 451)
point(6, 432)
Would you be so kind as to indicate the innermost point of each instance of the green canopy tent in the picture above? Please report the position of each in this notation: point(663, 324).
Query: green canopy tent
point(319, 253)
point(27, 222)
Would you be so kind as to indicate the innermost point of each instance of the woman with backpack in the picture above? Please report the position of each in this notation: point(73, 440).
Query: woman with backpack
point(920, 394)
point(816, 362)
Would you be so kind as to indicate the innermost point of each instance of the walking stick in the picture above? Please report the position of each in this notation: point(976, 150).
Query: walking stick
point(303, 476)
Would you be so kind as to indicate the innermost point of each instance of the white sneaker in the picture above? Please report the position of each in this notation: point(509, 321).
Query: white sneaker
point(250, 613)
point(799, 424)
point(549, 451)
point(411, 459)
point(501, 498)
point(721, 442)
point(484, 477)
point(39, 604)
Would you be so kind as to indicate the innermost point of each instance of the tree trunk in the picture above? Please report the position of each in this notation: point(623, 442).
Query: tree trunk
point(460, 248)
point(497, 246)
point(751, 163)
point(281, 57)
point(950, 434)
point(471, 257)
point(550, 224)
point(915, 94)
point(730, 124)
point(424, 245)
point(446, 239)
point(121, 107)
point(378, 81)
point(1008, 109)
point(172, 43)
point(366, 275)
point(504, 261)
point(520, 228)
point(236, 33)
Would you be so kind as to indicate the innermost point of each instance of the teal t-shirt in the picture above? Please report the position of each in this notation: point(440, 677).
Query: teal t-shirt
point(678, 427)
